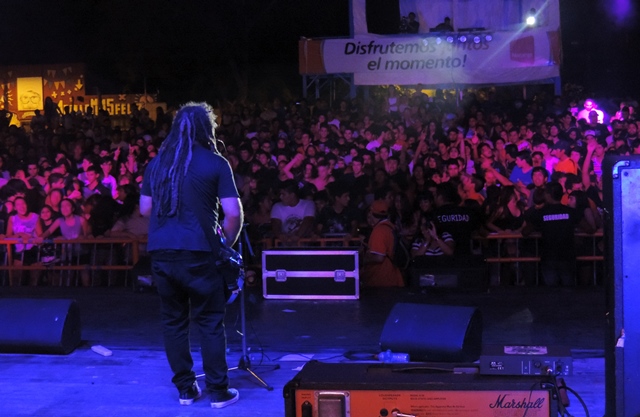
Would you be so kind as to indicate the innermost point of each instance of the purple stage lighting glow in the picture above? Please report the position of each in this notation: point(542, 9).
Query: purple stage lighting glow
point(622, 11)
point(621, 7)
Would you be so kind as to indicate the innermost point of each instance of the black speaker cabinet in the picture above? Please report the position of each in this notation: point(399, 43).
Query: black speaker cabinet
point(39, 325)
point(621, 180)
point(433, 333)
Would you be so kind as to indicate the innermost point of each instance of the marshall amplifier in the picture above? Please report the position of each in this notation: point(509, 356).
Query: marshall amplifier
point(418, 389)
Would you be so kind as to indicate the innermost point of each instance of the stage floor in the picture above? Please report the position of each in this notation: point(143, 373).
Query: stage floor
point(135, 380)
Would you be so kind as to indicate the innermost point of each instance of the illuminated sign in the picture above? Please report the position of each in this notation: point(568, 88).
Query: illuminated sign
point(30, 95)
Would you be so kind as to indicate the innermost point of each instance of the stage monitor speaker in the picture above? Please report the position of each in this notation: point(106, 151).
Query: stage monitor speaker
point(621, 181)
point(433, 333)
point(383, 16)
point(39, 325)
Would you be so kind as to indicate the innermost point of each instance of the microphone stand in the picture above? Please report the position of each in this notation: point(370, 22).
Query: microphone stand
point(245, 361)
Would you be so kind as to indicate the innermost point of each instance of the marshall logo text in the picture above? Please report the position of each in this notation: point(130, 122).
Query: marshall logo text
point(503, 402)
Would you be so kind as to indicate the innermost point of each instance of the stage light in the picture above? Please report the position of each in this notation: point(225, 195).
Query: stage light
point(438, 40)
point(488, 38)
point(462, 38)
point(450, 39)
point(531, 18)
point(425, 42)
point(476, 39)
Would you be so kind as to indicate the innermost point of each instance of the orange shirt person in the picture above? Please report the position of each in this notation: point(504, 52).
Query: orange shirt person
point(562, 150)
point(379, 270)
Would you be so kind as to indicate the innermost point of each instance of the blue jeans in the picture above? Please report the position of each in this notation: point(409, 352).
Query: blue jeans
point(188, 282)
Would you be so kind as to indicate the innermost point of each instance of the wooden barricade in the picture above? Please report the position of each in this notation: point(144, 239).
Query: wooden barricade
point(322, 242)
point(133, 253)
point(500, 238)
point(72, 259)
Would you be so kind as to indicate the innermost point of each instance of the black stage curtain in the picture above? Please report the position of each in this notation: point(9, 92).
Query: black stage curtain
point(383, 16)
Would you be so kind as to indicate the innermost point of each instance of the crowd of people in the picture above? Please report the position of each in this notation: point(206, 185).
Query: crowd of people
point(434, 169)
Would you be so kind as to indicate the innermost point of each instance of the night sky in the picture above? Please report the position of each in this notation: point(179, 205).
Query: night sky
point(200, 50)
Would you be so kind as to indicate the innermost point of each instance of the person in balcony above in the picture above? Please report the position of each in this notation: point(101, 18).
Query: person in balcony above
point(445, 26)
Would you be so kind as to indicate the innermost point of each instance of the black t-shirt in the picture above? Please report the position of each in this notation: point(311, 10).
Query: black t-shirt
point(208, 178)
point(601, 130)
point(357, 188)
point(358, 185)
point(102, 215)
point(337, 223)
point(594, 195)
point(460, 222)
point(400, 178)
point(557, 224)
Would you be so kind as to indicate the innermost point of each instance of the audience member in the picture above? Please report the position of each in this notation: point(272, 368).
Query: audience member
point(562, 150)
point(25, 227)
point(589, 106)
point(429, 243)
point(94, 185)
point(445, 26)
point(379, 269)
point(450, 217)
point(129, 222)
point(337, 218)
point(557, 224)
point(292, 218)
point(71, 226)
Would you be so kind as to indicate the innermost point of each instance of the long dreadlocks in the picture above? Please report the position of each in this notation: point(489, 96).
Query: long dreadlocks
point(194, 122)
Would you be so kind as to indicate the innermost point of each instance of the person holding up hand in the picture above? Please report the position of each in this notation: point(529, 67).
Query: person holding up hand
point(429, 243)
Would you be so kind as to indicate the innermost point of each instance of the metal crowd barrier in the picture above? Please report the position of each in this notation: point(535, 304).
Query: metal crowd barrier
point(68, 256)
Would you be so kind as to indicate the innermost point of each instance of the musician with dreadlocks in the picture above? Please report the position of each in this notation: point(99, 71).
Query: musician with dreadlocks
point(183, 188)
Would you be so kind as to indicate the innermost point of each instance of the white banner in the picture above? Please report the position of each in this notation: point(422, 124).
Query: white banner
point(508, 57)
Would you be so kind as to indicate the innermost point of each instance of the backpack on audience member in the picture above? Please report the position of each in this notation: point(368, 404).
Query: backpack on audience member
point(401, 253)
